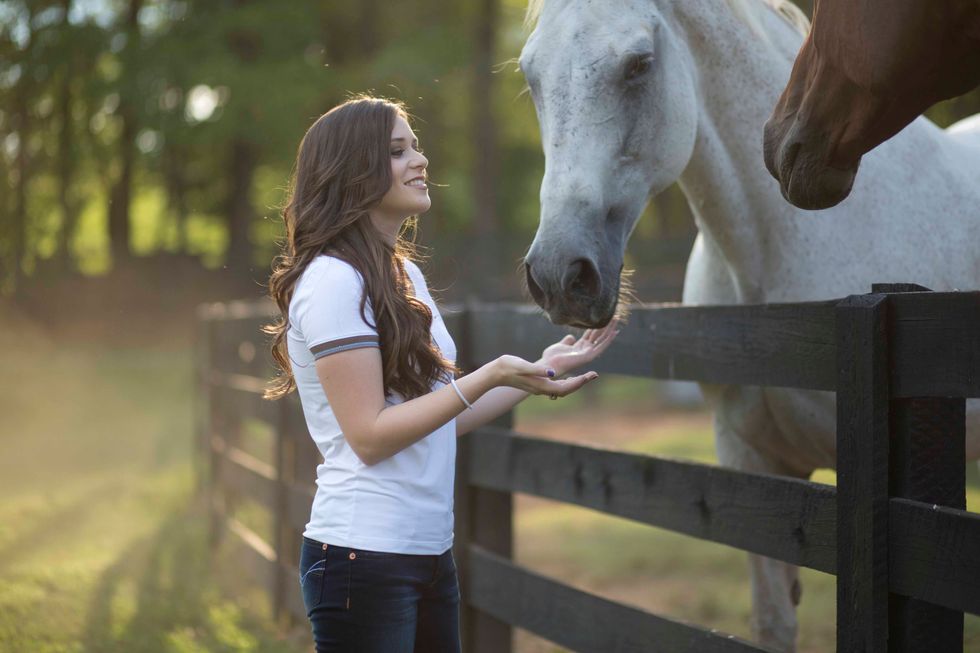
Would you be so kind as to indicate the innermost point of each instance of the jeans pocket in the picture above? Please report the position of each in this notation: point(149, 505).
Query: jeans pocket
point(312, 572)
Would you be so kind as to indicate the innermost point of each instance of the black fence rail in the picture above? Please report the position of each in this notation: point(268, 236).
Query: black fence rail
point(894, 531)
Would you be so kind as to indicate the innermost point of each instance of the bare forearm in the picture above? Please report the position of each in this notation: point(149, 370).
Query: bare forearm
point(488, 408)
point(402, 425)
point(352, 383)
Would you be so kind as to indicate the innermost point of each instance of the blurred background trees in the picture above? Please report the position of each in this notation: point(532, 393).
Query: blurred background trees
point(145, 145)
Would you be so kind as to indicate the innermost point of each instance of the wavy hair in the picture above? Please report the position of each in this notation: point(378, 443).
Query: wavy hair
point(343, 169)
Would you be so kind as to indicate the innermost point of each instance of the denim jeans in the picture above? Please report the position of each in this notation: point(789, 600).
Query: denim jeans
point(373, 602)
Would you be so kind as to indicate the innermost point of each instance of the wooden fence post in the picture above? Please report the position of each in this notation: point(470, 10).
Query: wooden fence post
point(862, 475)
point(927, 459)
point(285, 536)
point(483, 517)
point(202, 400)
point(215, 428)
point(226, 433)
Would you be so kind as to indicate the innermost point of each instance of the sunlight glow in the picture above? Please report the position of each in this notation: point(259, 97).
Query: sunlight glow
point(201, 103)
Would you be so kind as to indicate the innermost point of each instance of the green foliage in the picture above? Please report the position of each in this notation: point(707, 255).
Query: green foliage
point(194, 82)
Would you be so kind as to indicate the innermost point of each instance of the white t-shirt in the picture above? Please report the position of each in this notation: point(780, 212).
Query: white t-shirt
point(403, 504)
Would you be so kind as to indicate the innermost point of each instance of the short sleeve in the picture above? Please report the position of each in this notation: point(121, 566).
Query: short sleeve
point(326, 308)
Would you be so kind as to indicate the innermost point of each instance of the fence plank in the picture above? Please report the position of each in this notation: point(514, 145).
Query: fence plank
point(241, 396)
point(245, 475)
point(936, 343)
point(773, 345)
point(783, 518)
point(933, 554)
point(862, 475)
point(582, 621)
point(252, 555)
point(936, 337)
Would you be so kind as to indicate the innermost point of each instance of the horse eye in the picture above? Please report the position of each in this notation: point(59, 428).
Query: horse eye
point(637, 65)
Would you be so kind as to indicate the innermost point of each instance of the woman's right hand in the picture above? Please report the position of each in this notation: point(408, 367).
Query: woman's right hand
point(535, 378)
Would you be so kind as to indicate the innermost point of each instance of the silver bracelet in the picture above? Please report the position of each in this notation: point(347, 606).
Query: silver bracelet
point(452, 382)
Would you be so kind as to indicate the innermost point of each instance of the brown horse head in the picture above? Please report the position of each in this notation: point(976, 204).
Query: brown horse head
point(866, 70)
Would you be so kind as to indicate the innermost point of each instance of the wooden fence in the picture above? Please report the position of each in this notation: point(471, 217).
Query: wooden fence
point(905, 552)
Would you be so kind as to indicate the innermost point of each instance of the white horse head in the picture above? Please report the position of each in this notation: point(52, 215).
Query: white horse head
point(614, 91)
point(616, 87)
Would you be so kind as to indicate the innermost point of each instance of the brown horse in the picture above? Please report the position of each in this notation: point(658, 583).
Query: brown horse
point(866, 70)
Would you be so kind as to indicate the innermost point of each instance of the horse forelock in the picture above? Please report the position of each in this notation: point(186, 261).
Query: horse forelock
point(744, 9)
point(533, 13)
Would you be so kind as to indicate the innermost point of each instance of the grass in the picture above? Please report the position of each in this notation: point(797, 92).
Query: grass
point(103, 546)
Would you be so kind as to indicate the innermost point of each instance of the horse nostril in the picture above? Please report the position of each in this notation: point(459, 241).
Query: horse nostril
point(581, 278)
point(536, 293)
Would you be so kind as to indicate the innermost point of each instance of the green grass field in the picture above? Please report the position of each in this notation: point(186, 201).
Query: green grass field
point(103, 545)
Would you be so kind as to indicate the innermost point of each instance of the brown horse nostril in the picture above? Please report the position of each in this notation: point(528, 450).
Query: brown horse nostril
point(581, 279)
point(536, 292)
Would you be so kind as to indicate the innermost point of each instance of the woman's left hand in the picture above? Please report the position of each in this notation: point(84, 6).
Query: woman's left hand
point(568, 353)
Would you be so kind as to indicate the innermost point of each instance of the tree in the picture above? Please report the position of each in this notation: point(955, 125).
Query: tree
point(120, 193)
point(24, 90)
point(66, 142)
point(486, 224)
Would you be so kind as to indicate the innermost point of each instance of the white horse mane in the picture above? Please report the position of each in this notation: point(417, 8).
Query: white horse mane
point(746, 10)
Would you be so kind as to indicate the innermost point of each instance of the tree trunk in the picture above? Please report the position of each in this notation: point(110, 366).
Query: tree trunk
point(66, 157)
point(239, 208)
point(22, 165)
point(120, 194)
point(485, 275)
point(22, 113)
point(367, 33)
point(177, 193)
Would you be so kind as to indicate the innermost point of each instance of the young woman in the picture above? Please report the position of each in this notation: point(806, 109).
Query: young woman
point(363, 343)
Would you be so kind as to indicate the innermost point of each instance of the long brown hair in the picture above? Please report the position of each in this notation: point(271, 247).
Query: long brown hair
point(343, 168)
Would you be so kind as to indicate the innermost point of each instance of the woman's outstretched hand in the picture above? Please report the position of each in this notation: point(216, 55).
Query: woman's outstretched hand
point(569, 354)
point(535, 378)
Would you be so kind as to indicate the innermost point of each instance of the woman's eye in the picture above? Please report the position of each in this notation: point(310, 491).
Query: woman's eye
point(397, 152)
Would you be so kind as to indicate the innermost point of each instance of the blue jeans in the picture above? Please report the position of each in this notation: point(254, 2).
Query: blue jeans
point(373, 602)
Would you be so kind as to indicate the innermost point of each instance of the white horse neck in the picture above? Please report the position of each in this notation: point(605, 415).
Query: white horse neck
point(739, 75)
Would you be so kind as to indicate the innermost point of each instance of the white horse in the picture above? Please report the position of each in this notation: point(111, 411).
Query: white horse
point(633, 95)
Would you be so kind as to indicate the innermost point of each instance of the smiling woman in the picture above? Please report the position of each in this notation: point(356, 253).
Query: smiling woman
point(362, 341)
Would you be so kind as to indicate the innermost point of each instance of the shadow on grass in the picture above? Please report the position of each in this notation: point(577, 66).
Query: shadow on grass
point(163, 595)
point(26, 542)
